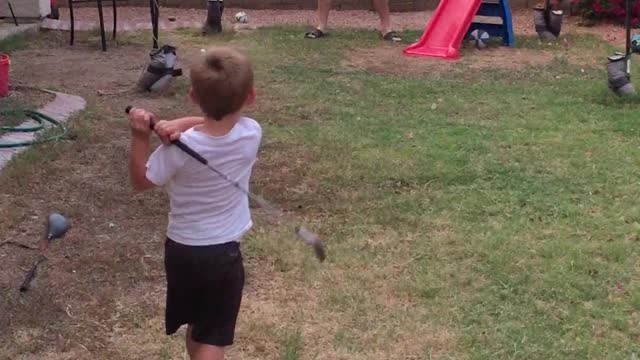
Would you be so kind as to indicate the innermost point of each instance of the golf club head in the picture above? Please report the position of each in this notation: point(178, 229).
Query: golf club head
point(57, 226)
point(312, 240)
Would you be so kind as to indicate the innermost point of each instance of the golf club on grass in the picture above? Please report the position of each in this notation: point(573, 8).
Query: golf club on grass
point(57, 226)
point(302, 232)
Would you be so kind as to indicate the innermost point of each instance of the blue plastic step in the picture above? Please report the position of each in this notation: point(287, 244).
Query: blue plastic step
point(490, 9)
point(499, 9)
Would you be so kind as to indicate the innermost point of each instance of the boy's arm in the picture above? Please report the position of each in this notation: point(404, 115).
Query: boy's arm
point(170, 130)
point(186, 123)
point(138, 157)
point(139, 121)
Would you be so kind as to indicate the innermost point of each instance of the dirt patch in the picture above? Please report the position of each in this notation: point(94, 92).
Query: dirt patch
point(613, 33)
point(69, 69)
point(258, 18)
point(391, 61)
point(285, 179)
point(507, 58)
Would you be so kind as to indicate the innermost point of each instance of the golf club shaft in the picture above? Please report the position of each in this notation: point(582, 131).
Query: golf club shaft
point(305, 234)
point(194, 154)
point(31, 274)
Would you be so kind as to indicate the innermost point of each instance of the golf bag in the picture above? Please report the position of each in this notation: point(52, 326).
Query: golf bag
point(548, 22)
point(160, 70)
point(618, 77)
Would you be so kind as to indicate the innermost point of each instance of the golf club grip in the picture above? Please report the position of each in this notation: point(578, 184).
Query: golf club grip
point(184, 147)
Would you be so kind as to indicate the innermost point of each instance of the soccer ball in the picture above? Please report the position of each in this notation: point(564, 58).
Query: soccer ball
point(242, 17)
point(480, 37)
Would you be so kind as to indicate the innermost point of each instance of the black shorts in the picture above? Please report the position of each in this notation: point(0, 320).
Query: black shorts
point(204, 289)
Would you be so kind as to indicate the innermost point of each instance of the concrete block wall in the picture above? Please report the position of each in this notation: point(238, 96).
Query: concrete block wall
point(396, 5)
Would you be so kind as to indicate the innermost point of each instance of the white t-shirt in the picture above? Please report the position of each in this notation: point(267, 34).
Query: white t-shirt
point(205, 208)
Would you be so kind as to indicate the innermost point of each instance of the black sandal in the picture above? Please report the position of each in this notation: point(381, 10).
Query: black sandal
point(392, 36)
point(315, 34)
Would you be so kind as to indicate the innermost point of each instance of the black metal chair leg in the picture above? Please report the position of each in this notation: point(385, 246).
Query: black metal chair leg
point(73, 28)
point(104, 41)
point(115, 19)
point(155, 14)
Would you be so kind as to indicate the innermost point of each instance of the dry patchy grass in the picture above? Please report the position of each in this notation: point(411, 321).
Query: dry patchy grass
point(438, 220)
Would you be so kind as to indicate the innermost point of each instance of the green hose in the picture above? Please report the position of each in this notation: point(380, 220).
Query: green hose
point(37, 117)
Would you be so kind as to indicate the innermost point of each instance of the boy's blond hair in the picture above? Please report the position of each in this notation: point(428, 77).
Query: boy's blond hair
point(221, 81)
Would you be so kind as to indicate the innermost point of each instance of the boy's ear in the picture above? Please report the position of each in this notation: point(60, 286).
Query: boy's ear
point(251, 97)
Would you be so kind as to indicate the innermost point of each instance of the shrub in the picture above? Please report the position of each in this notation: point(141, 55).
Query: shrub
point(607, 10)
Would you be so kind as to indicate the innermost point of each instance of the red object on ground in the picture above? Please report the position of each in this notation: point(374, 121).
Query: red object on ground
point(444, 32)
point(4, 75)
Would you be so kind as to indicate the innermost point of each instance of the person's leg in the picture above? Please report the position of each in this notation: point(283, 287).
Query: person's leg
point(213, 23)
point(382, 7)
point(324, 6)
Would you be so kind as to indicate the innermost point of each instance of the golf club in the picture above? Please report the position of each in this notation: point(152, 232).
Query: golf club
point(57, 226)
point(302, 232)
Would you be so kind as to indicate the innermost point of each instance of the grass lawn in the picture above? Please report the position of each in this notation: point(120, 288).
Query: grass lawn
point(482, 209)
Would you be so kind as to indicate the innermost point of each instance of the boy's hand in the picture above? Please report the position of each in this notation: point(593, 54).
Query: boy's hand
point(139, 121)
point(168, 131)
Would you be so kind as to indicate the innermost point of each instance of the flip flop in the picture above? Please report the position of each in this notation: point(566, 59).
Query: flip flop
point(315, 34)
point(392, 36)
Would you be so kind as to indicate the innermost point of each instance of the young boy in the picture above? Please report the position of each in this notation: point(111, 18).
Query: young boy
point(208, 215)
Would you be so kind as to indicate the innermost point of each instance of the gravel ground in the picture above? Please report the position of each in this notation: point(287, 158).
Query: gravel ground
point(522, 19)
point(259, 18)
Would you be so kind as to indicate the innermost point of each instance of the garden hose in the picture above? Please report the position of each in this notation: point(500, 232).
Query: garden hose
point(40, 118)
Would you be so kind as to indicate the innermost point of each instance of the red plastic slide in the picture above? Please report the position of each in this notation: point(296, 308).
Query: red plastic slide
point(444, 32)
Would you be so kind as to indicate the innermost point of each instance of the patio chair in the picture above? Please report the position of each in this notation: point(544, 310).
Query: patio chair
point(99, 6)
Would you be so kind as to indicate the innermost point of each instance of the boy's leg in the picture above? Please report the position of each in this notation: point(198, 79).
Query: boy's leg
point(220, 296)
point(199, 351)
point(208, 352)
point(191, 345)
